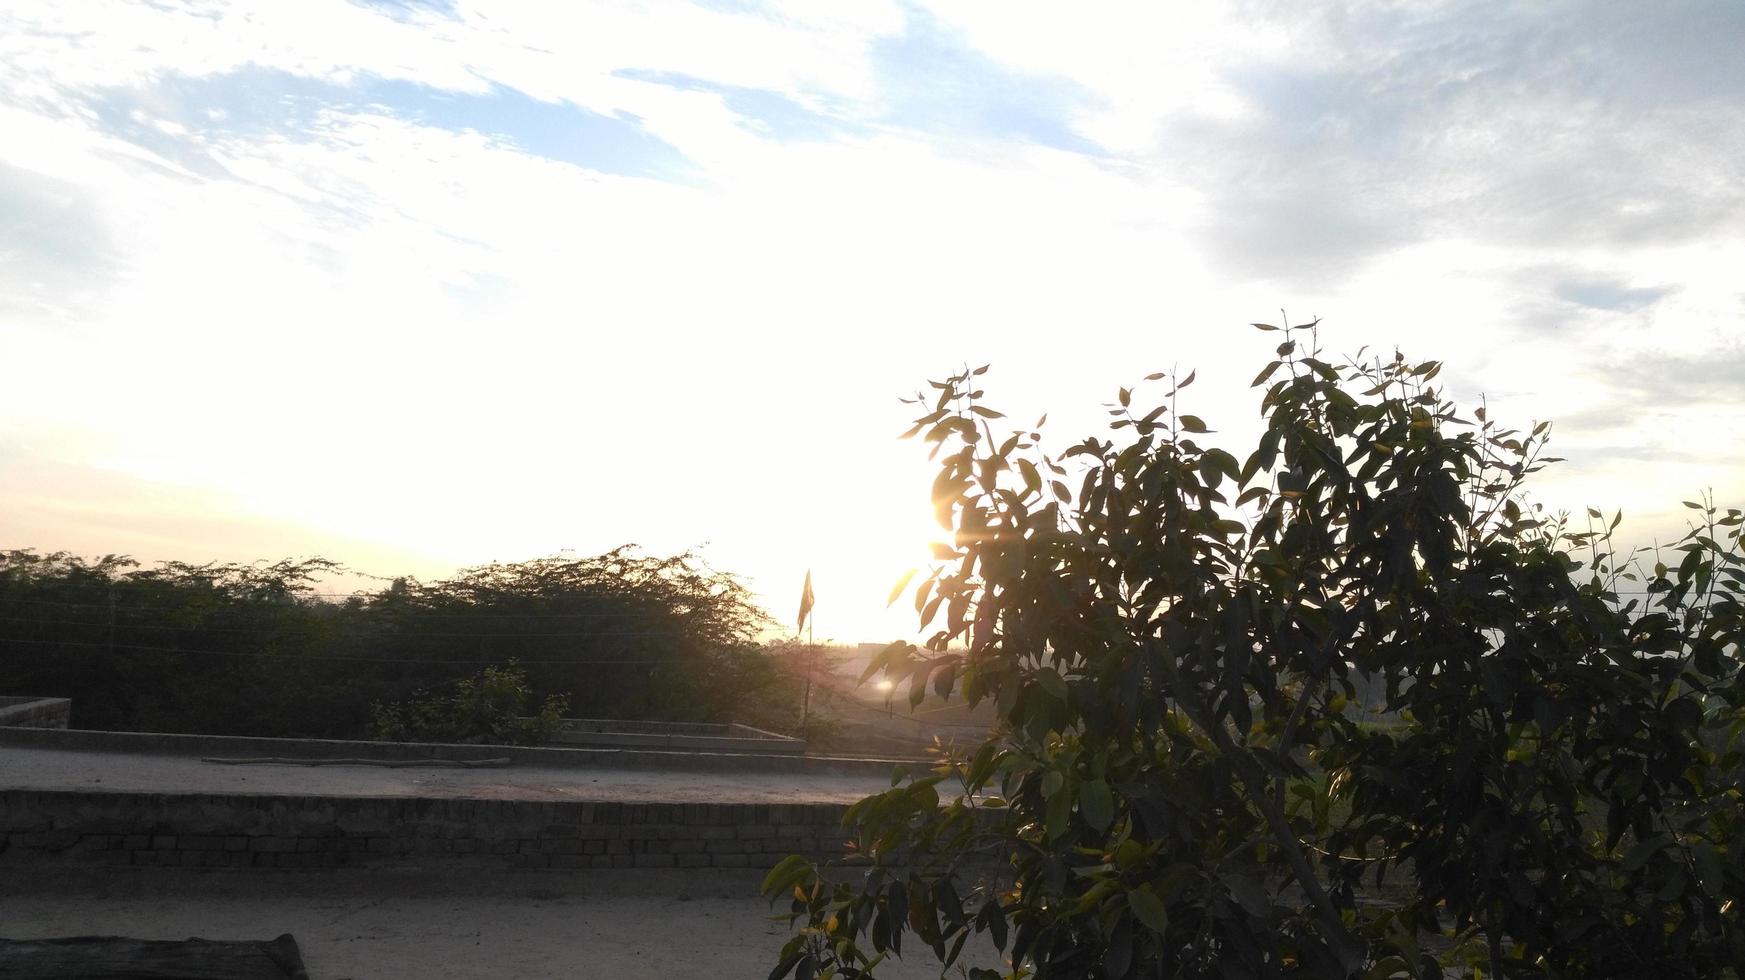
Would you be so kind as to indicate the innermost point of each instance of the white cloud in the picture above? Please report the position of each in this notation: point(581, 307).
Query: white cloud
point(363, 319)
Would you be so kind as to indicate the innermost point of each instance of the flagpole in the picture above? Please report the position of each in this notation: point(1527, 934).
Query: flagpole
point(806, 699)
point(806, 620)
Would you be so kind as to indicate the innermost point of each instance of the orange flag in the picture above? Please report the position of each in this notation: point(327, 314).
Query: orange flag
point(805, 602)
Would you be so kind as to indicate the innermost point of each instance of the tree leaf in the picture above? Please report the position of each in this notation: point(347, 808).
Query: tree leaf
point(902, 583)
point(1265, 373)
point(1148, 909)
point(1058, 816)
point(1096, 804)
point(787, 873)
point(1052, 683)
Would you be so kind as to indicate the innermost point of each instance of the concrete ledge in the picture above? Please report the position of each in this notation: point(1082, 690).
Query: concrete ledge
point(230, 746)
point(543, 884)
point(675, 736)
point(678, 743)
point(34, 712)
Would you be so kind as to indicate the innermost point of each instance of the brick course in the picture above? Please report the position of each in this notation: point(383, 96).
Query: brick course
point(44, 828)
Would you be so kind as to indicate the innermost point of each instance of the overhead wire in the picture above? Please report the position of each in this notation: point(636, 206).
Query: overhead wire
point(296, 593)
point(383, 636)
point(261, 654)
point(411, 609)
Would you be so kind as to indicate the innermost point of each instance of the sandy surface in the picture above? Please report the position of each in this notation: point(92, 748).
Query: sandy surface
point(625, 924)
point(31, 768)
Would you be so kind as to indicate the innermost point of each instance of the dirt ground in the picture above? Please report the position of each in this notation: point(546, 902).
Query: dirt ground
point(366, 926)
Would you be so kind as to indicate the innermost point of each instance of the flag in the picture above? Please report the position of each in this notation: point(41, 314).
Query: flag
point(805, 602)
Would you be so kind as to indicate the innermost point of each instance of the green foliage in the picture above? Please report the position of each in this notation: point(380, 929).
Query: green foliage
point(218, 648)
point(257, 650)
point(630, 635)
point(491, 708)
point(1182, 784)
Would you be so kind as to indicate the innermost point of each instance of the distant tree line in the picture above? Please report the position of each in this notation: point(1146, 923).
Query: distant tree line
point(259, 650)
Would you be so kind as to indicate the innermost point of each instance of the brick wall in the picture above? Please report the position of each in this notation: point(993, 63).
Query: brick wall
point(40, 828)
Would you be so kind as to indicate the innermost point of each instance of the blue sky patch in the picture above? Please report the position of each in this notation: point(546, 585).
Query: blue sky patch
point(616, 144)
point(1602, 294)
point(769, 114)
point(936, 83)
point(255, 102)
point(402, 10)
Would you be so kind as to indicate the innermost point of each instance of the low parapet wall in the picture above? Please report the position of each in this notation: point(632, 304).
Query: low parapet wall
point(31, 712)
point(676, 737)
point(153, 743)
point(50, 828)
point(703, 728)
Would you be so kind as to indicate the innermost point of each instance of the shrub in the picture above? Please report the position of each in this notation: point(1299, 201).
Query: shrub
point(490, 708)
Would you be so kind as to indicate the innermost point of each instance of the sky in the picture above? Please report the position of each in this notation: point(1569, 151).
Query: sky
point(417, 286)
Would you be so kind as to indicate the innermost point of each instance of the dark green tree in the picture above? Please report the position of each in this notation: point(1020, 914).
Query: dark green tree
point(627, 635)
point(258, 650)
point(218, 647)
point(1342, 706)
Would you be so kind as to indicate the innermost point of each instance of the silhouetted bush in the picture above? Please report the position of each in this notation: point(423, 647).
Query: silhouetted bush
point(491, 708)
point(259, 650)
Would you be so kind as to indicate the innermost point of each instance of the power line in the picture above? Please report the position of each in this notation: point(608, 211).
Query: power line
point(382, 636)
point(413, 609)
point(485, 595)
point(295, 593)
point(367, 660)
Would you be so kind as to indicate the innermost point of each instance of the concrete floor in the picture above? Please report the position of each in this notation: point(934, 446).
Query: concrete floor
point(383, 925)
point(364, 926)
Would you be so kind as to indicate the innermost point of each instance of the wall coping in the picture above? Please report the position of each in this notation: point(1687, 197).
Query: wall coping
point(156, 743)
point(679, 736)
point(27, 710)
